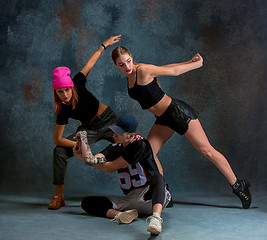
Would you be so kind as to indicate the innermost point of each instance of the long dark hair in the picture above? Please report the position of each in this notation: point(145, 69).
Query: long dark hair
point(58, 103)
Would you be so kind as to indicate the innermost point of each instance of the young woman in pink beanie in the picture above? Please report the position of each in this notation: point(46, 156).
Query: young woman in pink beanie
point(73, 100)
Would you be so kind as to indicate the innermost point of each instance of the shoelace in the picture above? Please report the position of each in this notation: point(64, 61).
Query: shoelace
point(153, 216)
point(115, 219)
point(244, 195)
point(56, 199)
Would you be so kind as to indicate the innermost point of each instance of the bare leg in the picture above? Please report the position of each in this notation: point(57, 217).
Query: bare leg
point(197, 137)
point(111, 213)
point(158, 208)
point(157, 137)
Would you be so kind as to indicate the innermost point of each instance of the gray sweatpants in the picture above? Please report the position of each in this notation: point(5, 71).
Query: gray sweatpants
point(96, 131)
point(136, 200)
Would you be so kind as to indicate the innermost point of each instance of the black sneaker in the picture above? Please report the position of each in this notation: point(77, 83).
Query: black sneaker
point(240, 189)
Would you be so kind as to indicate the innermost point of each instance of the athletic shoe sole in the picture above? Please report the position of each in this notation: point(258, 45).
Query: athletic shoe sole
point(154, 230)
point(128, 216)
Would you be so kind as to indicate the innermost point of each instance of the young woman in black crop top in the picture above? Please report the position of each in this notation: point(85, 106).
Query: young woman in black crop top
point(173, 115)
point(73, 100)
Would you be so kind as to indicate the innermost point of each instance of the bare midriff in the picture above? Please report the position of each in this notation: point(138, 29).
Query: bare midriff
point(101, 108)
point(161, 106)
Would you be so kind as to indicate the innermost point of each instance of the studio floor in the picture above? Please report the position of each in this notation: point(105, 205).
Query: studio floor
point(191, 218)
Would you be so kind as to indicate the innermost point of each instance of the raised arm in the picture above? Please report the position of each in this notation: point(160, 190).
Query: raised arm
point(148, 71)
point(92, 60)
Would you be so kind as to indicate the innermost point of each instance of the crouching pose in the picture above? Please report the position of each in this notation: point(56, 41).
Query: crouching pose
point(132, 157)
point(72, 100)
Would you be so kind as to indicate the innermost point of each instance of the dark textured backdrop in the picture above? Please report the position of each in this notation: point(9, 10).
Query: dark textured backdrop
point(229, 91)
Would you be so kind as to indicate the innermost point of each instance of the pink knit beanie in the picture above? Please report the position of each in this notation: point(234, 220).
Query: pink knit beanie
point(61, 78)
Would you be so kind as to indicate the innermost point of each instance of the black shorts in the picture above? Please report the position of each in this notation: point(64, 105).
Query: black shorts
point(177, 116)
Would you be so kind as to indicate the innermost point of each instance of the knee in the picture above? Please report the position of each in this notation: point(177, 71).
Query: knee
point(87, 204)
point(64, 152)
point(96, 205)
point(57, 150)
point(207, 152)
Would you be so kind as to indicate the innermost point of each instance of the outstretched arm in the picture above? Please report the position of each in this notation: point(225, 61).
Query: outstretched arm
point(92, 60)
point(83, 152)
point(111, 166)
point(148, 71)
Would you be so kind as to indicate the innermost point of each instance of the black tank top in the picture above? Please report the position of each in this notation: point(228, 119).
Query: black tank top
point(147, 95)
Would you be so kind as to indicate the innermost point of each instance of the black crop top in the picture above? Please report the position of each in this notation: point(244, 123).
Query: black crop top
point(86, 108)
point(147, 95)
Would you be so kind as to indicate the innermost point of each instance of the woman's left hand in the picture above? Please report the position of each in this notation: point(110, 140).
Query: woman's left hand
point(112, 40)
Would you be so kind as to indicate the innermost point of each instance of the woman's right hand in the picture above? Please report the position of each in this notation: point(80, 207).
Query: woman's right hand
point(112, 40)
point(198, 59)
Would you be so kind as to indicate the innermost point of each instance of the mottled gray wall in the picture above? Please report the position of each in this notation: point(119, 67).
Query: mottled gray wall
point(228, 91)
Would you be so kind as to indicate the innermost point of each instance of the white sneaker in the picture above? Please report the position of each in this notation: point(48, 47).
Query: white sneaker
point(126, 217)
point(154, 226)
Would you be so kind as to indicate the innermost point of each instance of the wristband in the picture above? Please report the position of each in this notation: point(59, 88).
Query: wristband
point(103, 46)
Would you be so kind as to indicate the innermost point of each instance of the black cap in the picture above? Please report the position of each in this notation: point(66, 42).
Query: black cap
point(124, 123)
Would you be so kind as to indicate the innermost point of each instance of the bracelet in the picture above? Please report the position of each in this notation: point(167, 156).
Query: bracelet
point(103, 46)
